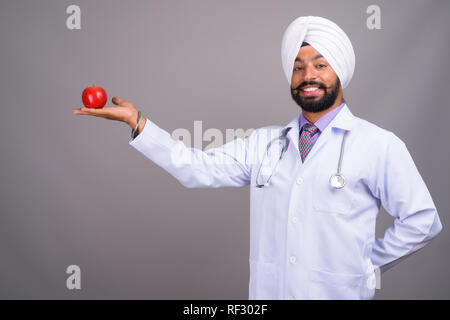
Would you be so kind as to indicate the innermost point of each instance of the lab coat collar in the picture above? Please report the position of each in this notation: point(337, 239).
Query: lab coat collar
point(344, 120)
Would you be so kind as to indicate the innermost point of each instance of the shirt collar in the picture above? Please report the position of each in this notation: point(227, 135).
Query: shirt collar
point(324, 121)
point(344, 119)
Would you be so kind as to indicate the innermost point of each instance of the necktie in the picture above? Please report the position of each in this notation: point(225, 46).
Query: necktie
point(304, 144)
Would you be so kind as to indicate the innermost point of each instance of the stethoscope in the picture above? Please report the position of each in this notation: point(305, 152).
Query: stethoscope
point(337, 180)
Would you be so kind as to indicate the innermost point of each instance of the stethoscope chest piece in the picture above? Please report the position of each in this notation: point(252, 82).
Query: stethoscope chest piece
point(337, 181)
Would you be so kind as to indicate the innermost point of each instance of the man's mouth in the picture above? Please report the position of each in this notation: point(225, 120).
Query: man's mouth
point(309, 91)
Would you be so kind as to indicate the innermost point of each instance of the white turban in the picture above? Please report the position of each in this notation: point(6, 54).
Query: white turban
point(327, 38)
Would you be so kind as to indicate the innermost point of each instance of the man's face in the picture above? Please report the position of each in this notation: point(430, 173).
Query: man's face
point(314, 86)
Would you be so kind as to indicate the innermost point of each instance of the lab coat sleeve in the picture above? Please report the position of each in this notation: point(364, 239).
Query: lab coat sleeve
point(224, 166)
point(404, 195)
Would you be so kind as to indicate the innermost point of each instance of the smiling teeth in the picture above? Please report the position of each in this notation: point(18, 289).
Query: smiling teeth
point(310, 89)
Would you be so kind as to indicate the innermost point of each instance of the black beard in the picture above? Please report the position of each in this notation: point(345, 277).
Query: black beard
point(307, 104)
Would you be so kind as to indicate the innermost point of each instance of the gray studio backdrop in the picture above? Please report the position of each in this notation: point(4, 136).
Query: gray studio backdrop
point(74, 192)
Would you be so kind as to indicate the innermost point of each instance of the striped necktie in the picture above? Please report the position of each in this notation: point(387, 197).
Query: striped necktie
point(304, 144)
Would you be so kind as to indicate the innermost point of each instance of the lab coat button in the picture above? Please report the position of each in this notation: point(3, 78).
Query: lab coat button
point(294, 220)
point(299, 181)
point(290, 298)
point(292, 259)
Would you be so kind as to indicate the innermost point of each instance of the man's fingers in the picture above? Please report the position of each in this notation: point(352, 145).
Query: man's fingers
point(117, 100)
point(78, 111)
point(92, 112)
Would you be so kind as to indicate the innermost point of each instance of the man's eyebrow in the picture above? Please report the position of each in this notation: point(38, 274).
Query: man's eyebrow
point(316, 57)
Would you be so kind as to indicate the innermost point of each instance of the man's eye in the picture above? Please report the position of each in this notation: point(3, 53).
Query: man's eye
point(297, 68)
point(320, 66)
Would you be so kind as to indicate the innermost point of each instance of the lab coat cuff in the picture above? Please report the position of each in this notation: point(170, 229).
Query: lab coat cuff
point(152, 136)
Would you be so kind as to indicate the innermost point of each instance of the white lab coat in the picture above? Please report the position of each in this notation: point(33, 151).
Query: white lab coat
point(307, 239)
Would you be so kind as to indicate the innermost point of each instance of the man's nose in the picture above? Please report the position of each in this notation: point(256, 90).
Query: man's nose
point(310, 73)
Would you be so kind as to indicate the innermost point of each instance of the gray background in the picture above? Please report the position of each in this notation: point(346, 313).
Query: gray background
point(74, 192)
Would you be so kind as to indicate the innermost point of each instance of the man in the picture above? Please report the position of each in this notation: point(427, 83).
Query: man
point(313, 212)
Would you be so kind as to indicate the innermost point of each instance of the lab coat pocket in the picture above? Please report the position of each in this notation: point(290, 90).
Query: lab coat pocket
point(263, 280)
point(334, 286)
point(329, 199)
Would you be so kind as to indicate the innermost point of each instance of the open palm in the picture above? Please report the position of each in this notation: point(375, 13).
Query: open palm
point(122, 111)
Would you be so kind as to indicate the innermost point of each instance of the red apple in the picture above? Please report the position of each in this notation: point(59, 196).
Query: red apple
point(94, 97)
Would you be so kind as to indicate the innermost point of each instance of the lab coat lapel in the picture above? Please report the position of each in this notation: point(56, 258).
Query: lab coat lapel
point(344, 120)
point(293, 134)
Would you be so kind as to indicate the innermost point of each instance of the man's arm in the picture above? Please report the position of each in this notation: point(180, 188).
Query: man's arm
point(224, 166)
point(405, 196)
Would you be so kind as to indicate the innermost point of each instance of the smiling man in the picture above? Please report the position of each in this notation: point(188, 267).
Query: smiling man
point(313, 217)
point(315, 86)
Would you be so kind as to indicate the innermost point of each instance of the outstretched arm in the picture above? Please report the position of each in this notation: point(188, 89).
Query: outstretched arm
point(224, 166)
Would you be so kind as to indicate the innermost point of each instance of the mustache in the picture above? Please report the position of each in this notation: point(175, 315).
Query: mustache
point(312, 83)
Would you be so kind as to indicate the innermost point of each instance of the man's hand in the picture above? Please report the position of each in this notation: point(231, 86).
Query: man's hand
point(124, 111)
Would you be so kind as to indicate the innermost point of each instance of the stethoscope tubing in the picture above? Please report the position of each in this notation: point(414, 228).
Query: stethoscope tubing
point(284, 136)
